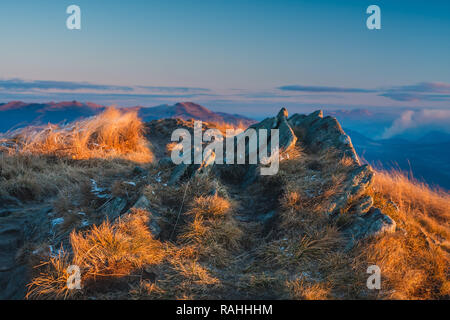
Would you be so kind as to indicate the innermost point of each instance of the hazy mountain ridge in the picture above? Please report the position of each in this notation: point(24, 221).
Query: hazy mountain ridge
point(429, 160)
point(18, 114)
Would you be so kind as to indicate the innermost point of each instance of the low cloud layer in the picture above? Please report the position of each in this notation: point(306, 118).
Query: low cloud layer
point(419, 122)
point(25, 85)
point(323, 89)
point(424, 91)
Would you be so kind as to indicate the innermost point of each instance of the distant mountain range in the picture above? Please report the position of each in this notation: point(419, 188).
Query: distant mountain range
point(19, 114)
point(428, 158)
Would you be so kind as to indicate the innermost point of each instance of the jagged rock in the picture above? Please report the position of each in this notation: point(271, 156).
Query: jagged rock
point(165, 162)
point(324, 133)
point(177, 173)
point(362, 205)
point(355, 185)
point(287, 136)
point(372, 223)
point(113, 208)
point(26, 226)
point(142, 203)
point(155, 218)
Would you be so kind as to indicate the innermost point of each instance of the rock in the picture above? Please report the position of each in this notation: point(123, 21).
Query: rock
point(177, 173)
point(362, 205)
point(356, 184)
point(142, 203)
point(113, 208)
point(324, 133)
point(28, 225)
point(165, 162)
point(138, 171)
point(155, 218)
point(287, 136)
point(372, 223)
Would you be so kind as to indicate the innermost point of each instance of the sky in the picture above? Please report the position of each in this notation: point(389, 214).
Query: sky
point(237, 56)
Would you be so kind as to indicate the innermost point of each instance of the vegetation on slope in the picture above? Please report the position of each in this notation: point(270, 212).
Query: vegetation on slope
point(271, 240)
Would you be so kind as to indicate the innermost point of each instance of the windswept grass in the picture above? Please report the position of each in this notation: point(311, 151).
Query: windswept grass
point(111, 134)
point(108, 251)
point(415, 261)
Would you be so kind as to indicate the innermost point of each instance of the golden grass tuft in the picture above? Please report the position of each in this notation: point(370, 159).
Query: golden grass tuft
point(112, 134)
point(211, 228)
point(302, 290)
point(415, 261)
point(51, 282)
point(108, 251)
point(116, 249)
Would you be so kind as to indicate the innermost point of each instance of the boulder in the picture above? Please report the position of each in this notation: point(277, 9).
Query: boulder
point(353, 187)
point(113, 208)
point(155, 218)
point(323, 133)
point(372, 223)
point(362, 205)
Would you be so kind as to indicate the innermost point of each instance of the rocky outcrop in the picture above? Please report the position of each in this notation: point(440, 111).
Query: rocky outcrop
point(155, 219)
point(370, 224)
point(317, 135)
point(323, 133)
point(19, 229)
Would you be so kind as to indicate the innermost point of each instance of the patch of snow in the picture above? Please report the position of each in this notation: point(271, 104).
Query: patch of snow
point(97, 191)
point(57, 221)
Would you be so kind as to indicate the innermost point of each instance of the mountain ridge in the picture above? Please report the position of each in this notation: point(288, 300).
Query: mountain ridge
point(16, 114)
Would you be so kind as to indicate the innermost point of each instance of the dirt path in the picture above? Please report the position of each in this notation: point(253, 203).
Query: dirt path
point(255, 214)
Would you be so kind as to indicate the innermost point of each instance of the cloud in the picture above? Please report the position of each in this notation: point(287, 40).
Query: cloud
point(25, 85)
point(324, 89)
point(424, 91)
point(419, 121)
point(175, 89)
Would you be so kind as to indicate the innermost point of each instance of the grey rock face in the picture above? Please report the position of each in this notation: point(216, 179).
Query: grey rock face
point(317, 134)
point(113, 208)
point(26, 225)
point(154, 219)
point(370, 224)
point(358, 181)
point(362, 205)
point(322, 133)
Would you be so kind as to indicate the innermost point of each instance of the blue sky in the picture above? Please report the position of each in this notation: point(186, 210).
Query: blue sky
point(235, 56)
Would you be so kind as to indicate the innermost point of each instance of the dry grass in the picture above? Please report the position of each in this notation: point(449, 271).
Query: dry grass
point(212, 229)
point(104, 252)
point(205, 252)
point(112, 134)
point(303, 290)
point(116, 249)
point(414, 261)
point(51, 282)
